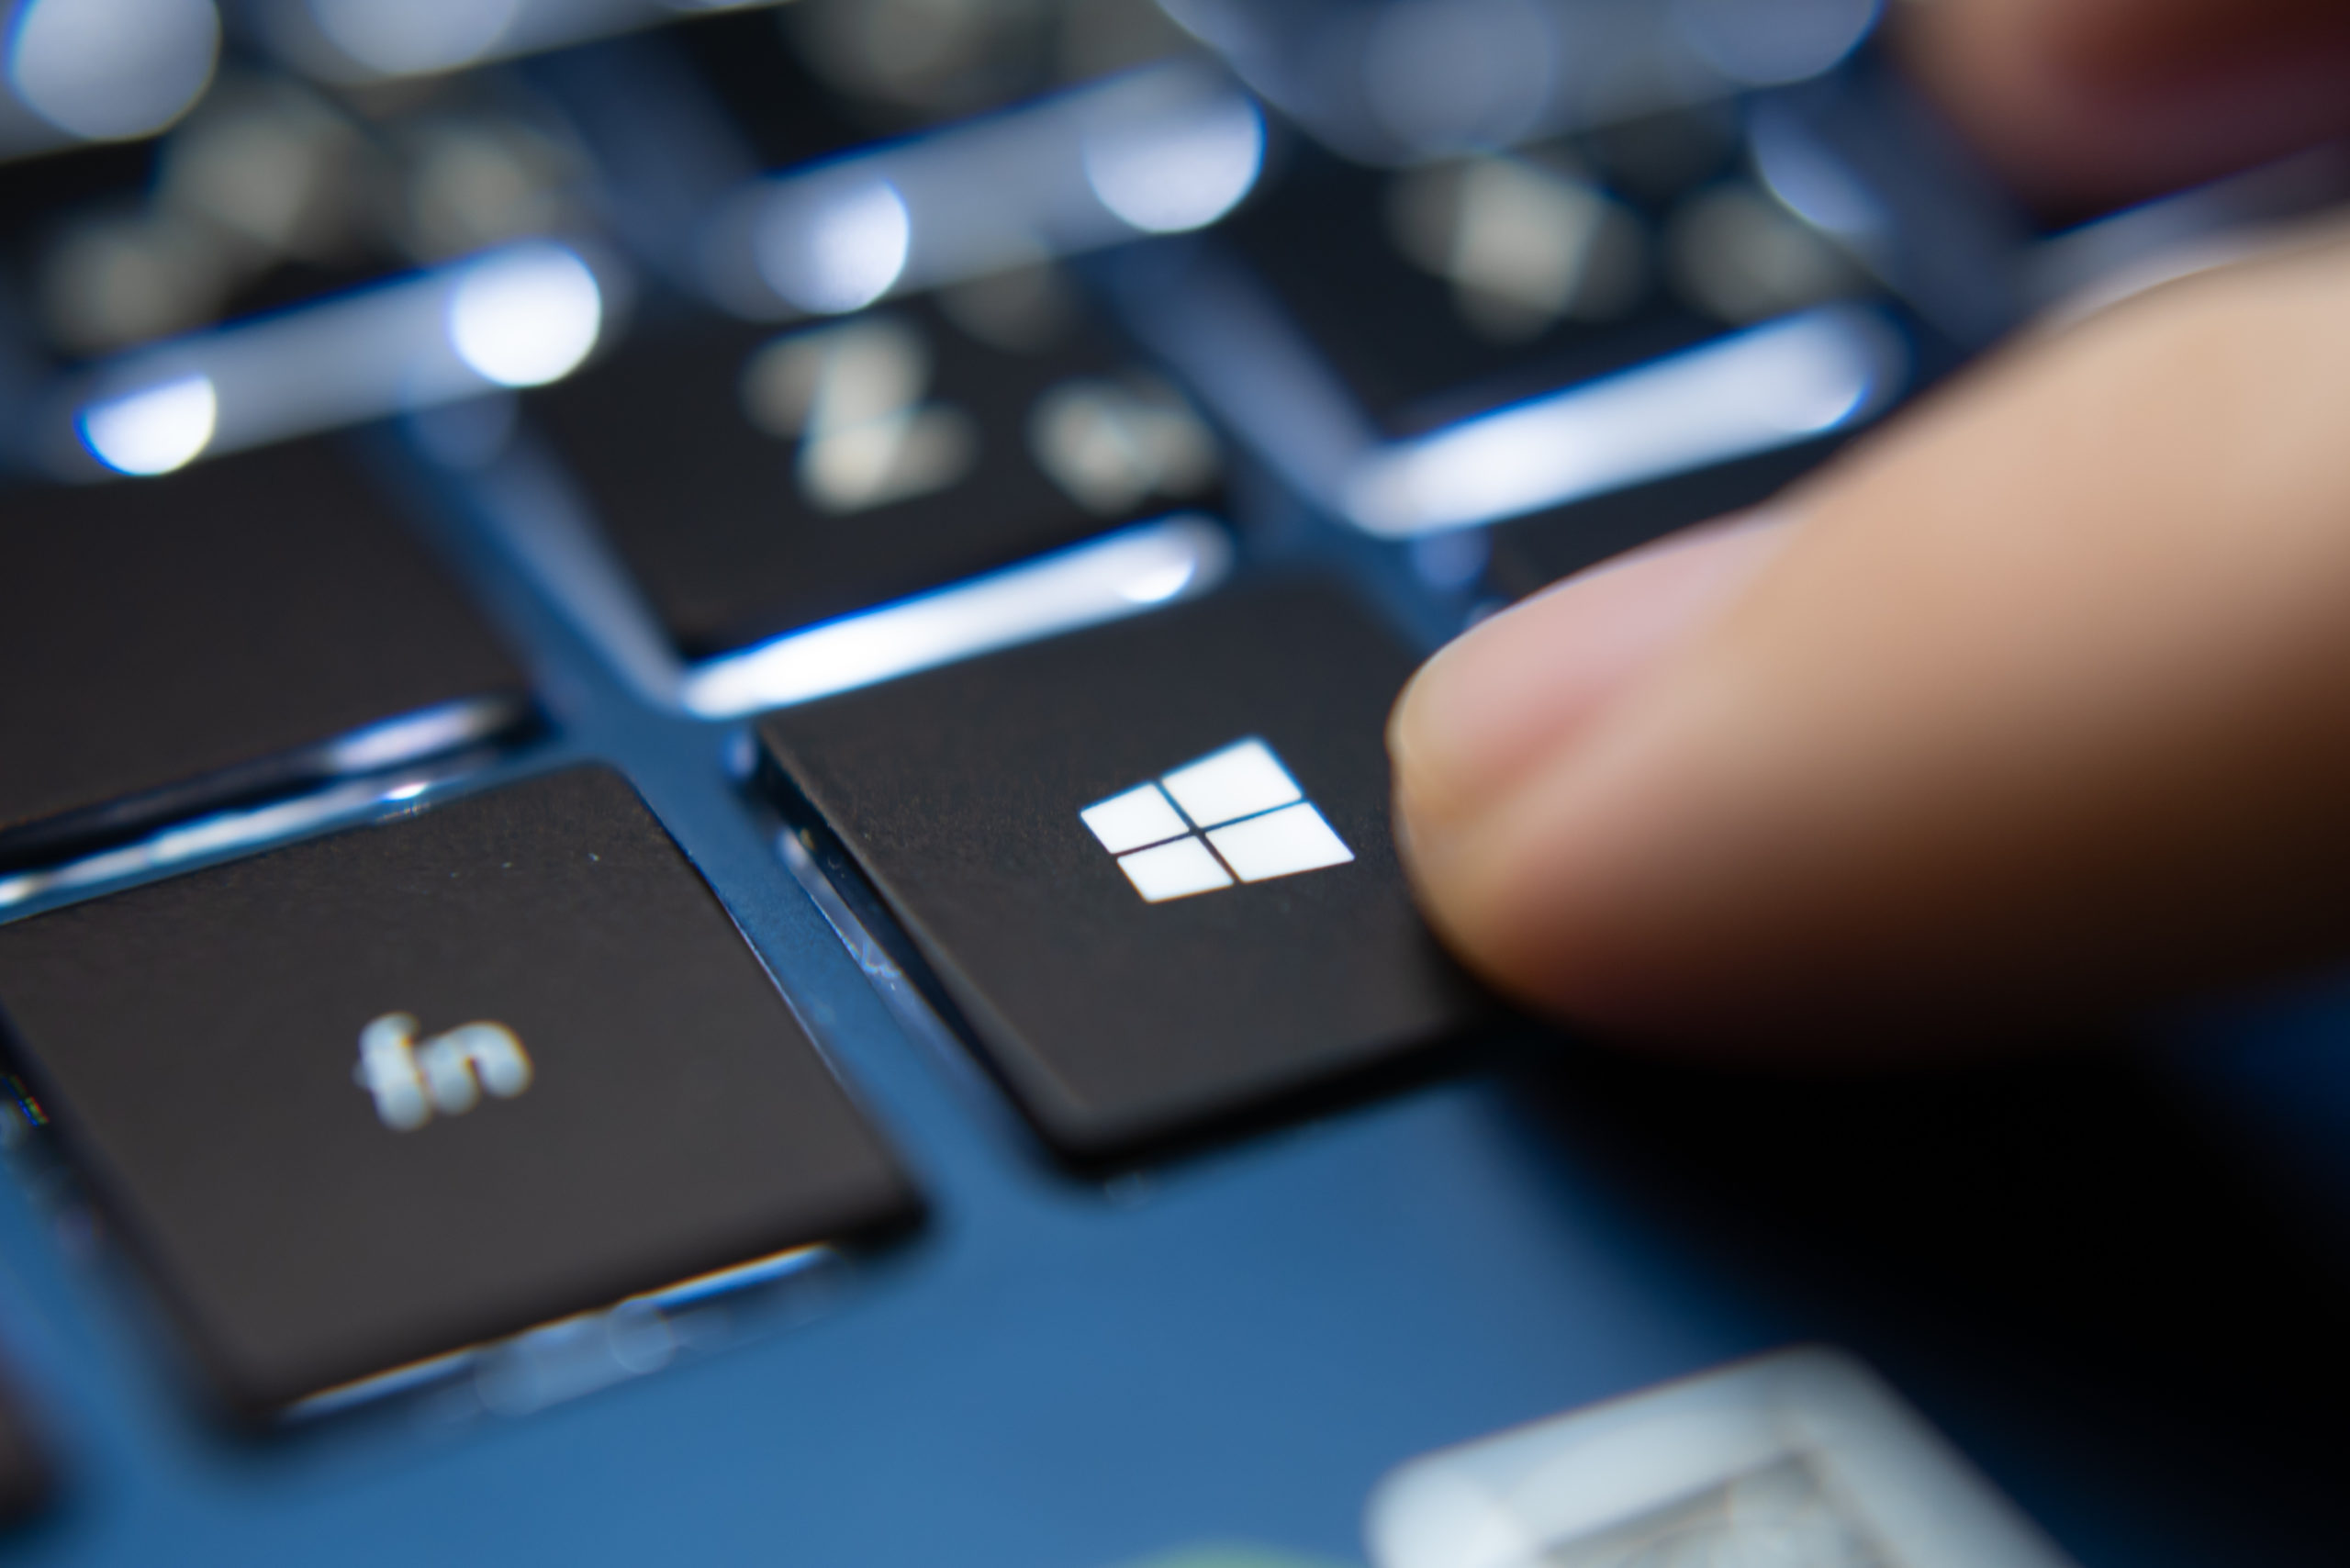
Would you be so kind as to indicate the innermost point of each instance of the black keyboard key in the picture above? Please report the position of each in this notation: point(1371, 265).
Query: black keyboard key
point(1530, 554)
point(1342, 248)
point(1447, 290)
point(758, 480)
point(173, 644)
point(382, 1095)
point(1150, 865)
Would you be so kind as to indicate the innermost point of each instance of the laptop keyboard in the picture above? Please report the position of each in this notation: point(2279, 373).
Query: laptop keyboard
point(854, 379)
point(1008, 479)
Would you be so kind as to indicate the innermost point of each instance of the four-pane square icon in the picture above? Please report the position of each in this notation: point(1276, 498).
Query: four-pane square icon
point(1235, 814)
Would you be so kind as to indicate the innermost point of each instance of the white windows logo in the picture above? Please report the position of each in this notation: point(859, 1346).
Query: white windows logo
point(410, 1079)
point(1235, 814)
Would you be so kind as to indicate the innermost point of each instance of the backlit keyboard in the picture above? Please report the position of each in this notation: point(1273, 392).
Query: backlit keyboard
point(703, 685)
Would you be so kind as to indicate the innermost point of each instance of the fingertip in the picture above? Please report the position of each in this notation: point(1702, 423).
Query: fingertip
point(2033, 720)
point(1518, 688)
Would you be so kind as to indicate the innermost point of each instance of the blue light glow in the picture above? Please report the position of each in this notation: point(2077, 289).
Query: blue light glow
point(1770, 387)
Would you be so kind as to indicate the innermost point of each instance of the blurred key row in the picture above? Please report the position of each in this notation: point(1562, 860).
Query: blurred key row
point(752, 480)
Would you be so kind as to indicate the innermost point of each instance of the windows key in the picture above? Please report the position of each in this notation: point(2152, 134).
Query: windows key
point(1149, 866)
point(386, 1094)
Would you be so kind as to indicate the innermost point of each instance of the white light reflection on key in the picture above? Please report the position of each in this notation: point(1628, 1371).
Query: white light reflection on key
point(526, 315)
point(102, 70)
point(444, 727)
point(1765, 45)
point(515, 317)
point(366, 40)
point(223, 831)
point(834, 249)
point(1164, 147)
point(1104, 580)
point(153, 431)
point(410, 36)
point(1397, 82)
point(1769, 387)
point(1176, 165)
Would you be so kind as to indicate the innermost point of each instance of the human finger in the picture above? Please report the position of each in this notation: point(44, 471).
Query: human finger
point(2039, 705)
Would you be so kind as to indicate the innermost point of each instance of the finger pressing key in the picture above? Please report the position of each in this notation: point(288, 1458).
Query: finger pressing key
point(2040, 705)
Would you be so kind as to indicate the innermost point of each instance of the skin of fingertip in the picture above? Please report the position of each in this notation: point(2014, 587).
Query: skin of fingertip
point(2043, 711)
point(1521, 683)
point(2084, 104)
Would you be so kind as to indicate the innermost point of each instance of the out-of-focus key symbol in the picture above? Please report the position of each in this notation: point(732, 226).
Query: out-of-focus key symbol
point(852, 396)
point(411, 1079)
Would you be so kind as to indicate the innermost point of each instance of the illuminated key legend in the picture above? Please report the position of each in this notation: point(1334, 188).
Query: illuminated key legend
point(1235, 814)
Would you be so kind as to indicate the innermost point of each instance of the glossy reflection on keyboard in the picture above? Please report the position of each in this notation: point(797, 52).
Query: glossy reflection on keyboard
point(245, 625)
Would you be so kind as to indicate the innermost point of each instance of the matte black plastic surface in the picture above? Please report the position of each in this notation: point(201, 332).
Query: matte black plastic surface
point(1118, 1022)
point(1531, 552)
point(678, 1120)
point(1323, 239)
point(185, 636)
point(704, 506)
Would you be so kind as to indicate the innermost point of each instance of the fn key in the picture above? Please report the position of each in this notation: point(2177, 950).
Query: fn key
point(385, 1095)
